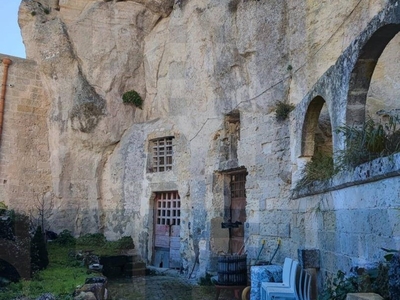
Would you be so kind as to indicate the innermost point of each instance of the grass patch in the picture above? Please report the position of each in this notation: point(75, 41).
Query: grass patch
point(368, 142)
point(363, 144)
point(60, 278)
point(320, 168)
point(65, 272)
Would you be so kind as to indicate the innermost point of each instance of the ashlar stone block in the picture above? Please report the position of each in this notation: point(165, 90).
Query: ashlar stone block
point(309, 258)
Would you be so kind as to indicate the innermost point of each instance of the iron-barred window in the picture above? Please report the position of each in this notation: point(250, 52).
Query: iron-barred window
point(168, 208)
point(161, 150)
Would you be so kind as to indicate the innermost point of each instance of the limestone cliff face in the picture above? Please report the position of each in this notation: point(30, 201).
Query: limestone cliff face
point(194, 63)
point(86, 68)
point(191, 65)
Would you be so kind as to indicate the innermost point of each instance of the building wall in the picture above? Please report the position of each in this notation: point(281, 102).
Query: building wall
point(25, 168)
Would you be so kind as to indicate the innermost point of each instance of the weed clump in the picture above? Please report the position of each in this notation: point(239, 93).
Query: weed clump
point(283, 110)
point(320, 168)
point(132, 97)
point(368, 142)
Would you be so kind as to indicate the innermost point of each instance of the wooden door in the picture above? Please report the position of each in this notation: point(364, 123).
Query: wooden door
point(237, 210)
point(167, 230)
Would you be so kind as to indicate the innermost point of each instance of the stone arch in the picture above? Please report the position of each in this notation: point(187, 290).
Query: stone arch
point(8, 271)
point(310, 127)
point(360, 77)
point(21, 261)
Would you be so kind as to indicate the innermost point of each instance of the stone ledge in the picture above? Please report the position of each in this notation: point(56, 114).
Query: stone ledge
point(363, 296)
point(380, 168)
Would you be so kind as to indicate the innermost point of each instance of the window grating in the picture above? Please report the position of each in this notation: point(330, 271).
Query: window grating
point(162, 154)
point(238, 185)
point(168, 208)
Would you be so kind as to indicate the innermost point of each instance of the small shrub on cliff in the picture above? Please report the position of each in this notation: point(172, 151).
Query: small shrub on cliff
point(3, 206)
point(132, 97)
point(283, 110)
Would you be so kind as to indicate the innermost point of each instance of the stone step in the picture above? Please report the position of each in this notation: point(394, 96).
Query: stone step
point(363, 296)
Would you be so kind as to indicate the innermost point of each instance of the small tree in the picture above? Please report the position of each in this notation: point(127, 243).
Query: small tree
point(39, 254)
point(42, 210)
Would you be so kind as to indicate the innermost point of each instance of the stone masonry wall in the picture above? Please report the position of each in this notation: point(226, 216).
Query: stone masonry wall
point(24, 152)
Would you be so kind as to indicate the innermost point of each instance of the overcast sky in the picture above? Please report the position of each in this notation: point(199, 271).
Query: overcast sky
point(10, 35)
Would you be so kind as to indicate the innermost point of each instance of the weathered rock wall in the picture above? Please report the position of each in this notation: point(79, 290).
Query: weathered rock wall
point(197, 63)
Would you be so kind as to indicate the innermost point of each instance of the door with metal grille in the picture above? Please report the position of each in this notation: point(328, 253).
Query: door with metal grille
point(237, 210)
point(167, 230)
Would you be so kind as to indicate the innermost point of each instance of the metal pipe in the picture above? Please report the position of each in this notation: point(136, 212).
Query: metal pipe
point(6, 62)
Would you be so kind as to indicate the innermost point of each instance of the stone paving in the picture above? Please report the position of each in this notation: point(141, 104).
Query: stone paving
point(163, 287)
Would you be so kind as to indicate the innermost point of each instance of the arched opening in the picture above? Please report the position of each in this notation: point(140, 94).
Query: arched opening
point(8, 271)
point(372, 115)
point(383, 93)
point(317, 131)
point(362, 73)
point(316, 162)
point(17, 256)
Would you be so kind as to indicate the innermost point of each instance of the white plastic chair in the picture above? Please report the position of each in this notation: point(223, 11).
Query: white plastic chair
point(304, 286)
point(286, 292)
point(287, 266)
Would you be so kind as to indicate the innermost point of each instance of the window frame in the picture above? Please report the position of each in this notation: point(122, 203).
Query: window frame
point(161, 154)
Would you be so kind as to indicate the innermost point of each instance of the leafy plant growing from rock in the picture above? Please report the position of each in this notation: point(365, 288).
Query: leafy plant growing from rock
point(132, 97)
point(321, 167)
point(363, 144)
point(283, 110)
point(3, 208)
point(365, 281)
point(368, 142)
